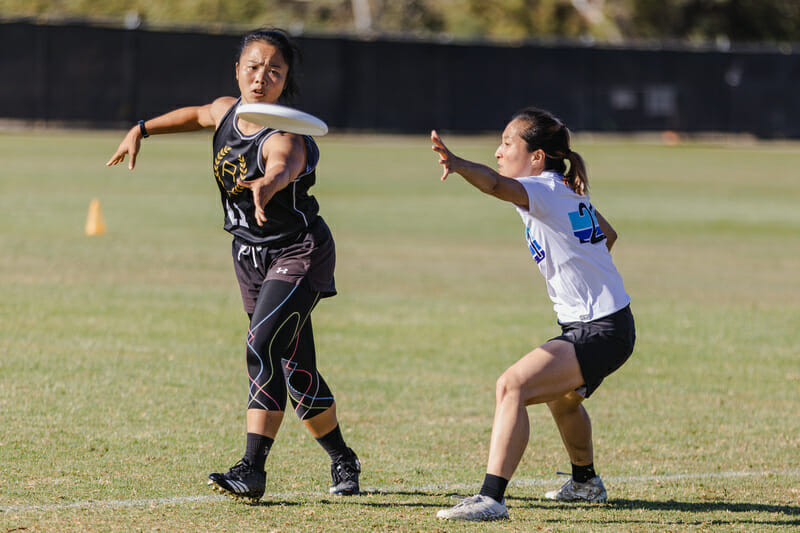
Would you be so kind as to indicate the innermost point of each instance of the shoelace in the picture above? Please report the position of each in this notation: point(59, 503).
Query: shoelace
point(239, 467)
point(342, 471)
point(464, 500)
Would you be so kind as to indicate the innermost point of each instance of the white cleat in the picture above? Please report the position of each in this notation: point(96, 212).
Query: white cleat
point(476, 508)
point(592, 491)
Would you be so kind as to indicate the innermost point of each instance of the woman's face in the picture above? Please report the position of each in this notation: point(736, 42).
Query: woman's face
point(261, 72)
point(513, 158)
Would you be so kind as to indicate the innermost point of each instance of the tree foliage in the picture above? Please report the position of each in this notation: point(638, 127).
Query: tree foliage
point(735, 20)
point(601, 20)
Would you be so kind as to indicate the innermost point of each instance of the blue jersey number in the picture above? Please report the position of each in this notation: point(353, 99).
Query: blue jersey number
point(585, 225)
point(536, 249)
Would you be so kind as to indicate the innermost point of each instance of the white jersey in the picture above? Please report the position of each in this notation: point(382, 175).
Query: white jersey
point(565, 239)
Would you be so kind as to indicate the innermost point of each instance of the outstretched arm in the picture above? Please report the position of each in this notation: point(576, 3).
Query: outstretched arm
point(180, 120)
point(480, 176)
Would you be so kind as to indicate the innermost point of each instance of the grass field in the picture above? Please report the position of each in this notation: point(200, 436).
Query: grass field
point(122, 379)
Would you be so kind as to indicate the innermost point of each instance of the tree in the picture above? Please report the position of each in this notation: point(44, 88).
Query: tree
point(602, 20)
point(734, 20)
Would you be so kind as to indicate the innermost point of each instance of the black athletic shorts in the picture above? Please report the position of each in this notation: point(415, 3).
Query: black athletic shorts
point(602, 346)
point(311, 260)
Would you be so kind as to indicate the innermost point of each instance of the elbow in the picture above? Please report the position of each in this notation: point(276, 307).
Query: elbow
point(490, 189)
point(611, 238)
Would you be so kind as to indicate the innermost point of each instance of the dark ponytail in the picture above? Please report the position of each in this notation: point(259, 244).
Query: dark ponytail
point(576, 177)
point(546, 132)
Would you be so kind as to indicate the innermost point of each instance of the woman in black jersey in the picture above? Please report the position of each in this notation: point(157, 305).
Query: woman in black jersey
point(283, 256)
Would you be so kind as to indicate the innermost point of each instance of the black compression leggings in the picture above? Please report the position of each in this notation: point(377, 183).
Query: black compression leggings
point(280, 352)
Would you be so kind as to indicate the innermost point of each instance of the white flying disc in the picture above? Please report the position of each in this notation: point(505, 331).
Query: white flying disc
point(282, 118)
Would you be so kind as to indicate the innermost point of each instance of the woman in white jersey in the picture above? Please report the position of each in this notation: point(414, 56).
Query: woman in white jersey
point(570, 242)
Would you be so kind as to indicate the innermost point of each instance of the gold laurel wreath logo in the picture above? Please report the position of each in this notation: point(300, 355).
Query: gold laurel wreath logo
point(242, 170)
point(219, 159)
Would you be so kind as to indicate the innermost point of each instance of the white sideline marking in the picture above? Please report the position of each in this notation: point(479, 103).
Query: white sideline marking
point(109, 504)
point(440, 487)
point(619, 479)
point(675, 477)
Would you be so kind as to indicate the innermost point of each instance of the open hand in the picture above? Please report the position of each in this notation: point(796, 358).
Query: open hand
point(130, 145)
point(261, 195)
point(446, 157)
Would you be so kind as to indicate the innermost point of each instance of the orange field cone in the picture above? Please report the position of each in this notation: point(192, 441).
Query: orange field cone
point(671, 138)
point(95, 225)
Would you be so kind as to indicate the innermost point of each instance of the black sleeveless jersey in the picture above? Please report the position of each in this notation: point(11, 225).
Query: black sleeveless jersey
point(289, 213)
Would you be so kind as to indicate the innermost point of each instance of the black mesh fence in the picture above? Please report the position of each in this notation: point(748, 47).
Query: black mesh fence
point(111, 77)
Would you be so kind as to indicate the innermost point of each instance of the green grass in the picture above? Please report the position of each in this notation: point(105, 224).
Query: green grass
point(121, 356)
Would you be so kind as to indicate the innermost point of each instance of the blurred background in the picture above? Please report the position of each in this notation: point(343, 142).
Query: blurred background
point(406, 66)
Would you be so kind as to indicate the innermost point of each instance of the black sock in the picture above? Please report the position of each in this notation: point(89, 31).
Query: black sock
point(582, 474)
point(494, 487)
point(333, 443)
point(255, 454)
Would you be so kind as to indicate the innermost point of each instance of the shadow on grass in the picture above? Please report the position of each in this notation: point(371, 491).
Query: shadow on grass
point(783, 512)
point(363, 500)
point(276, 503)
point(703, 507)
point(786, 515)
point(395, 493)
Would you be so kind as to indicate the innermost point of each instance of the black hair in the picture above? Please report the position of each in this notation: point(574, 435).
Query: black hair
point(546, 132)
point(288, 49)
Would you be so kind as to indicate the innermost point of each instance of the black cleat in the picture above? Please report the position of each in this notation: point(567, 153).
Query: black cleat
point(345, 473)
point(241, 481)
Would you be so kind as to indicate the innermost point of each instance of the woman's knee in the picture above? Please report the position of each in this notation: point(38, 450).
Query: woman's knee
point(567, 405)
point(508, 386)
